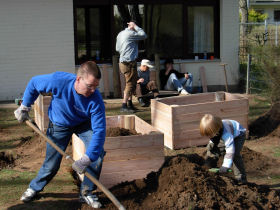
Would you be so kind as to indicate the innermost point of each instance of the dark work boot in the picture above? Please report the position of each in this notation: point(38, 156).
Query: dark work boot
point(141, 102)
point(130, 105)
point(127, 109)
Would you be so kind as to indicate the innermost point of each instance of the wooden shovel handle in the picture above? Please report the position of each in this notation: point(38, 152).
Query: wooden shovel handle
point(93, 179)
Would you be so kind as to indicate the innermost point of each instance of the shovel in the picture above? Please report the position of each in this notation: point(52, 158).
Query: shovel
point(217, 170)
point(93, 179)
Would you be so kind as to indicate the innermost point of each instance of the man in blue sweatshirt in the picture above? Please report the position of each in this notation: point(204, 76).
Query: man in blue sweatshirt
point(76, 107)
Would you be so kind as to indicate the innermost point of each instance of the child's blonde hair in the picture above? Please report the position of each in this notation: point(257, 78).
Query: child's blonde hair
point(210, 125)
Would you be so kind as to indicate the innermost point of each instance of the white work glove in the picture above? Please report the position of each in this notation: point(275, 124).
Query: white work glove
point(80, 165)
point(21, 113)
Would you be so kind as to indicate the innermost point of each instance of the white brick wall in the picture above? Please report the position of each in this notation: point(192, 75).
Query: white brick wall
point(36, 37)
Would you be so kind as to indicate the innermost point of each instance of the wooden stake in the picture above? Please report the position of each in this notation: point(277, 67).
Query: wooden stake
point(224, 67)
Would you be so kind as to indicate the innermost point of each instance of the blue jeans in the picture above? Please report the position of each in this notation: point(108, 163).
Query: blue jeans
point(173, 83)
point(61, 137)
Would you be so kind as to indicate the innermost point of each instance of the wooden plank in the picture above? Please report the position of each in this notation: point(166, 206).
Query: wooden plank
point(143, 127)
point(116, 77)
point(112, 179)
point(159, 104)
point(105, 78)
point(122, 142)
point(211, 106)
point(133, 153)
point(189, 99)
point(114, 121)
point(187, 117)
point(131, 165)
point(129, 122)
point(203, 79)
point(200, 141)
point(168, 141)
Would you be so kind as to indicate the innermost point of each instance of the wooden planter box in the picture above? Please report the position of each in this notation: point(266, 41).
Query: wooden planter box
point(127, 157)
point(179, 117)
point(41, 106)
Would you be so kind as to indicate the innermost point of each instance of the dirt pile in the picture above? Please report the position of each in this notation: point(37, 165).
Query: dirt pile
point(267, 123)
point(183, 183)
point(6, 160)
point(117, 131)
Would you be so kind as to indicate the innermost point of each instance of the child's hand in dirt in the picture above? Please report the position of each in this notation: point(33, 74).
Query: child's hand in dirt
point(223, 170)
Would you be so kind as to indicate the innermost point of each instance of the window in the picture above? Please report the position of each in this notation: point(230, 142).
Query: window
point(174, 30)
point(92, 40)
point(276, 15)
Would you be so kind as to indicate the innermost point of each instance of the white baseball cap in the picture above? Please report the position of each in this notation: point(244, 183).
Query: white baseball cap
point(146, 62)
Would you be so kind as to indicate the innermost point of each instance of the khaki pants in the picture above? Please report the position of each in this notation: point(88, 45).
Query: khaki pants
point(129, 69)
point(144, 89)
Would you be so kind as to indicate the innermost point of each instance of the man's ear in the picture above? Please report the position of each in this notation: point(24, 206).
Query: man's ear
point(78, 78)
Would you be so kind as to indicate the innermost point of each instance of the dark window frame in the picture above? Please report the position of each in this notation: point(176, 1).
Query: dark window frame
point(185, 4)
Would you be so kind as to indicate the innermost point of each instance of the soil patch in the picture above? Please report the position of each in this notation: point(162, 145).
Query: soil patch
point(117, 131)
point(267, 123)
point(6, 160)
point(183, 183)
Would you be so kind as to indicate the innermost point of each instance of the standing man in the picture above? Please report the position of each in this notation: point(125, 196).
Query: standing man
point(127, 46)
point(144, 84)
point(76, 107)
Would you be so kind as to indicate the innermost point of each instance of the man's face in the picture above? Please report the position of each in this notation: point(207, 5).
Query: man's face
point(144, 68)
point(169, 66)
point(86, 85)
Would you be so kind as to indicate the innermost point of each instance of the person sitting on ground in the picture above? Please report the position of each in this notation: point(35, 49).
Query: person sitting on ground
point(144, 84)
point(226, 138)
point(76, 107)
point(171, 79)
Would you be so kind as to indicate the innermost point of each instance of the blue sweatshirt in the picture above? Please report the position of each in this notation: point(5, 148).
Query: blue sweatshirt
point(68, 108)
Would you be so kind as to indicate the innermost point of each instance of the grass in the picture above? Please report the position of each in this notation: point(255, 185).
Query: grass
point(257, 106)
point(277, 152)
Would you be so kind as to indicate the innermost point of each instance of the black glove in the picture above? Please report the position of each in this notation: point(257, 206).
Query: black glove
point(216, 139)
point(210, 162)
point(223, 170)
point(80, 165)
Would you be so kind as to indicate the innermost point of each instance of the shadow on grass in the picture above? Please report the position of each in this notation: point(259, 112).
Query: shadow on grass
point(69, 201)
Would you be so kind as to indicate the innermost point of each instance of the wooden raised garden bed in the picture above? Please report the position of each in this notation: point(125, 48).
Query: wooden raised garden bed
point(179, 117)
point(127, 157)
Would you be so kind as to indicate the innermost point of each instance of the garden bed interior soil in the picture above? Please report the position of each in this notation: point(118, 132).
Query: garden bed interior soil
point(117, 131)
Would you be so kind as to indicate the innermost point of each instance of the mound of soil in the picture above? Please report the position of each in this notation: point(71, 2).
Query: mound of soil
point(117, 131)
point(6, 160)
point(183, 183)
point(267, 123)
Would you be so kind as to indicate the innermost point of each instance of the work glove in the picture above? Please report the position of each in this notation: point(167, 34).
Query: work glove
point(223, 170)
point(21, 113)
point(80, 165)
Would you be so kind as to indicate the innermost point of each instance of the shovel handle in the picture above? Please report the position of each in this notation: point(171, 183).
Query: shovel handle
point(93, 179)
